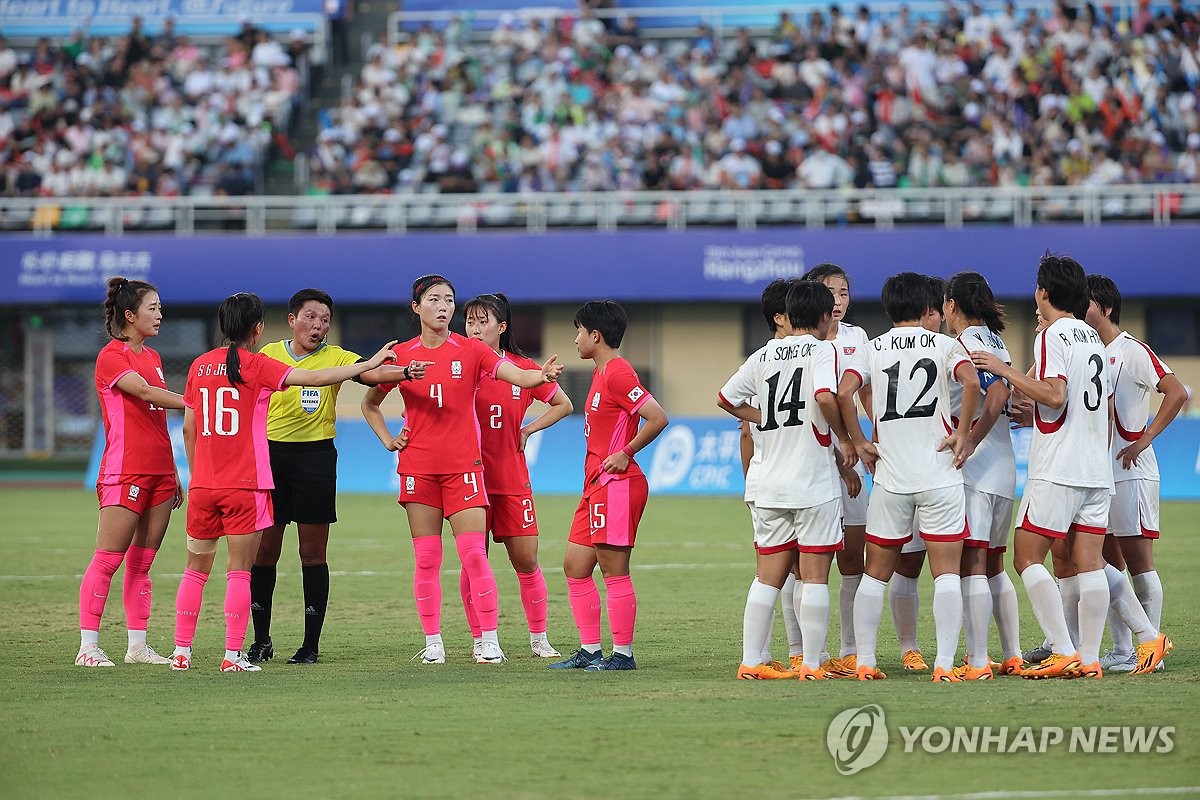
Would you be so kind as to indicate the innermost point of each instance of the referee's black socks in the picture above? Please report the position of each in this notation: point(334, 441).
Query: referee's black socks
point(262, 590)
point(316, 598)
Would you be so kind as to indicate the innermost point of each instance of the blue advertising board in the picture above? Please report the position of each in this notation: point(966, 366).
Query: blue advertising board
point(112, 17)
point(693, 456)
point(632, 266)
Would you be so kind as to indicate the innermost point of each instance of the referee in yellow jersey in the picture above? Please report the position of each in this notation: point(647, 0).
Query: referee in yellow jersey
point(300, 431)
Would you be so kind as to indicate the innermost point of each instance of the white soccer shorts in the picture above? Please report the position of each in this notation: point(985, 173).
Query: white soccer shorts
point(940, 513)
point(1134, 509)
point(989, 519)
point(1052, 509)
point(813, 530)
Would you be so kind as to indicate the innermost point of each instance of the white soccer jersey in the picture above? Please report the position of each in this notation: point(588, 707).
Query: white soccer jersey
point(785, 376)
point(850, 341)
point(1138, 371)
point(992, 468)
point(755, 459)
point(911, 370)
point(1070, 445)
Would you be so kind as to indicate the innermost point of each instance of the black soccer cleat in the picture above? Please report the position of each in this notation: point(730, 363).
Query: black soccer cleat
point(304, 656)
point(260, 652)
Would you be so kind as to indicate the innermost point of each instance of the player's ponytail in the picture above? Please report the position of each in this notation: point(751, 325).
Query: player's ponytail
point(498, 306)
point(238, 316)
point(123, 295)
point(974, 298)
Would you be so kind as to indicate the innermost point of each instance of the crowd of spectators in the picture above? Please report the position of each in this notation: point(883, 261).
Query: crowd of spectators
point(140, 114)
point(829, 99)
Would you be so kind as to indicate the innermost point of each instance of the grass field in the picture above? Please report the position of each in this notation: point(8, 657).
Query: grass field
point(368, 722)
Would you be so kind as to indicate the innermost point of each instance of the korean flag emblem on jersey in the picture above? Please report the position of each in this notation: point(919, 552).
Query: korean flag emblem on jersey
point(595, 401)
point(455, 369)
point(848, 351)
point(516, 392)
point(635, 393)
point(310, 399)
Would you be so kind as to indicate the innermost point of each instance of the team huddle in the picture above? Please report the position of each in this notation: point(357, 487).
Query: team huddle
point(944, 477)
point(258, 431)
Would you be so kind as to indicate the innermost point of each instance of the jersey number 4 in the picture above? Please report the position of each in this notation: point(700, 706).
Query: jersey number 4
point(790, 402)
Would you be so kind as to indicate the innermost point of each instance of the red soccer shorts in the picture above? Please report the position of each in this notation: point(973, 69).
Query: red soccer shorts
point(451, 492)
point(137, 492)
point(512, 515)
point(212, 513)
point(610, 515)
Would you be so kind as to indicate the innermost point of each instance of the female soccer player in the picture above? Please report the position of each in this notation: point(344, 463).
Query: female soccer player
point(848, 340)
point(511, 518)
point(614, 489)
point(300, 431)
point(989, 480)
point(229, 494)
point(440, 467)
point(137, 485)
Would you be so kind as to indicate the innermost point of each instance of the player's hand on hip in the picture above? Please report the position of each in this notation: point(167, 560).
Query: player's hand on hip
point(1129, 454)
point(616, 463)
point(869, 455)
point(401, 441)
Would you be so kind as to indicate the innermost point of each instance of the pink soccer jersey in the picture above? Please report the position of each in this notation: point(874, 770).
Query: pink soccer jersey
point(610, 420)
point(1138, 371)
point(231, 420)
point(135, 431)
point(439, 409)
point(500, 408)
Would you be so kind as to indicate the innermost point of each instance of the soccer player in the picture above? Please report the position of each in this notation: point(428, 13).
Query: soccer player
point(138, 485)
point(989, 478)
point(791, 378)
point(511, 516)
point(849, 341)
point(440, 465)
point(1070, 474)
point(903, 597)
point(614, 490)
point(911, 368)
point(300, 429)
point(229, 493)
point(1133, 516)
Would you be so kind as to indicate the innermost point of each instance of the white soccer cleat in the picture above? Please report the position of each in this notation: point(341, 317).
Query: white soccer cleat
point(490, 653)
point(476, 650)
point(432, 654)
point(543, 649)
point(239, 664)
point(145, 654)
point(92, 656)
point(1113, 661)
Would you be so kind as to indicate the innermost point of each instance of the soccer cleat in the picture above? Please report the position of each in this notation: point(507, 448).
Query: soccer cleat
point(913, 662)
point(941, 675)
point(580, 659)
point(839, 668)
point(968, 673)
point(432, 654)
point(476, 649)
point(181, 662)
point(805, 673)
point(1011, 666)
point(615, 661)
point(239, 664)
point(1038, 654)
point(1091, 671)
point(1056, 666)
point(764, 672)
point(1112, 661)
point(865, 673)
point(260, 651)
point(543, 649)
point(92, 656)
point(303, 656)
point(145, 655)
point(1151, 654)
point(490, 653)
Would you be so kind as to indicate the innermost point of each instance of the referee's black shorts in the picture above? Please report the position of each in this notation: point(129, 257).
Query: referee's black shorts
point(305, 481)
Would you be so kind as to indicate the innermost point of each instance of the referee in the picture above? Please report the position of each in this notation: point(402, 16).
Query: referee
point(300, 430)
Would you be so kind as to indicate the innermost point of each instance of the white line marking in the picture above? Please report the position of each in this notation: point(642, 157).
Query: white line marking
point(1141, 791)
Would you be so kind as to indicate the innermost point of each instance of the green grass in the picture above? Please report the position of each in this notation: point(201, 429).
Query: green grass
point(368, 722)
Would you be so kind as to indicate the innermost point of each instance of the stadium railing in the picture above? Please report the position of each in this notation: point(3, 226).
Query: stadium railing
point(466, 213)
